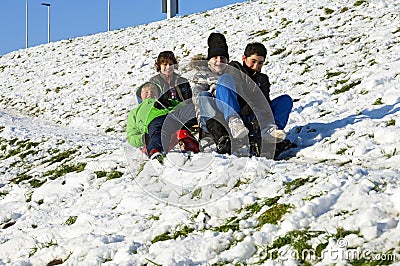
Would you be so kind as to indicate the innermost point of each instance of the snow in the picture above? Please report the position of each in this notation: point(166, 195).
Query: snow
point(63, 108)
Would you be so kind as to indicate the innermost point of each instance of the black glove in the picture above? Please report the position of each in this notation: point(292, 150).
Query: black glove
point(163, 101)
point(185, 90)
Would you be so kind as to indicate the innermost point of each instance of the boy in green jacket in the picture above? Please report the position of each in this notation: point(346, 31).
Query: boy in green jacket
point(145, 123)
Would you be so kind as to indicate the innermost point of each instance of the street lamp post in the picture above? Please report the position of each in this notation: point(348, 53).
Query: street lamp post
point(108, 28)
point(26, 25)
point(170, 7)
point(48, 21)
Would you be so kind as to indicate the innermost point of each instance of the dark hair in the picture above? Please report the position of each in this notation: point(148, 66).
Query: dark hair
point(165, 57)
point(255, 48)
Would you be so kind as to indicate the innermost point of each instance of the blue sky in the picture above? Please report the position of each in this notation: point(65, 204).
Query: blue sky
point(73, 18)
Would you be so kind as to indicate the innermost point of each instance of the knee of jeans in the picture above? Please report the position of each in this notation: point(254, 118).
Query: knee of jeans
point(285, 100)
point(288, 100)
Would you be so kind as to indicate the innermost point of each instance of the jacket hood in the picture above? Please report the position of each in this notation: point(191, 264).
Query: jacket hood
point(139, 90)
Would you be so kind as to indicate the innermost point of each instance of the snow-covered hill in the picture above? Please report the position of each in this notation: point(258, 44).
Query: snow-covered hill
point(72, 191)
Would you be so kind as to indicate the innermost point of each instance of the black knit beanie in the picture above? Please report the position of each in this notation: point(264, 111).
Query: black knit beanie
point(217, 46)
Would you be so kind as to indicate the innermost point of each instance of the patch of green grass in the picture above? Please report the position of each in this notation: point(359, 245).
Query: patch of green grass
point(140, 169)
point(285, 22)
point(42, 246)
point(23, 155)
point(372, 62)
point(344, 9)
point(332, 74)
point(311, 197)
point(23, 147)
point(389, 154)
point(248, 211)
point(296, 183)
point(240, 182)
point(278, 51)
point(3, 193)
point(342, 233)
point(391, 122)
point(325, 113)
point(345, 162)
point(61, 156)
point(259, 33)
point(306, 59)
point(197, 193)
point(71, 220)
point(231, 224)
point(359, 2)
point(378, 102)
point(20, 178)
point(305, 70)
point(328, 11)
point(341, 151)
point(273, 215)
point(100, 174)
point(183, 231)
point(114, 175)
point(347, 87)
point(64, 169)
point(302, 51)
point(35, 183)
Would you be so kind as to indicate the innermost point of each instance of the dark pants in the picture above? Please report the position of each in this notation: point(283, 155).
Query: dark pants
point(162, 130)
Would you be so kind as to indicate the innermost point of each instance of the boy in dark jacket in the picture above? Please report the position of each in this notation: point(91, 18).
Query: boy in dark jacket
point(252, 61)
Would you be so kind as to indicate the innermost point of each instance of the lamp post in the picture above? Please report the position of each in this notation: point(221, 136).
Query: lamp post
point(48, 21)
point(108, 28)
point(26, 25)
point(170, 7)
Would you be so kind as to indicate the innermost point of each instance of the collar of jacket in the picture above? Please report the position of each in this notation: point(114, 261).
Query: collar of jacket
point(249, 71)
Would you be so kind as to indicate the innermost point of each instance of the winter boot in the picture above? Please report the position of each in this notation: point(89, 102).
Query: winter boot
point(187, 142)
point(220, 136)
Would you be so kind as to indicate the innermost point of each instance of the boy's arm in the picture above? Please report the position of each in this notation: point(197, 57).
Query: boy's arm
point(134, 132)
point(262, 81)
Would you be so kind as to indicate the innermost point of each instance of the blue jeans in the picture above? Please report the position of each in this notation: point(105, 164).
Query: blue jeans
point(225, 101)
point(161, 128)
point(281, 107)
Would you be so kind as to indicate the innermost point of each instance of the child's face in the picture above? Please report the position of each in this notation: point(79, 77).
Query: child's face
point(218, 63)
point(149, 92)
point(255, 62)
point(167, 68)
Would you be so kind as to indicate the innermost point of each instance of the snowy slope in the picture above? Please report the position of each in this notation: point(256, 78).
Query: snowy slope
point(72, 191)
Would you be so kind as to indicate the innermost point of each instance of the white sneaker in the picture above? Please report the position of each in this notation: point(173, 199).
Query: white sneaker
point(237, 128)
point(273, 134)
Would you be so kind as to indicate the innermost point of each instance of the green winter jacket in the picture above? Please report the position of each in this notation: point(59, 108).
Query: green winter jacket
point(138, 120)
point(140, 117)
